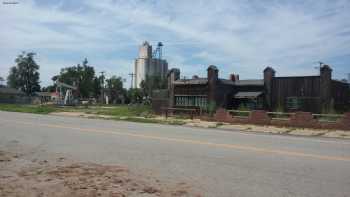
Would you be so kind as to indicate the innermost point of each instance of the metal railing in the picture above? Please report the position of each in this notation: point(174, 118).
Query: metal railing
point(332, 118)
point(239, 113)
point(279, 115)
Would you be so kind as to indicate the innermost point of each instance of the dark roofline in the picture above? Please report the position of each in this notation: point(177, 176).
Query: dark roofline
point(336, 80)
point(197, 81)
point(297, 76)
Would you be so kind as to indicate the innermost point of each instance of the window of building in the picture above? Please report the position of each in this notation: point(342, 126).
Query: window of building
point(294, 103)
point(191, 101)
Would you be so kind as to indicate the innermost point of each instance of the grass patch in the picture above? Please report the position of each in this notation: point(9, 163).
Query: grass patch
point(140, 120)
point(150, 120)
point(125, 111)
point(219, 124)
point(36, 109)
point(135, 113)
point(175, 122)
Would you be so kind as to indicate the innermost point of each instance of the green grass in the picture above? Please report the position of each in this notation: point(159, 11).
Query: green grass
point(117, 111)
point(150, 120)
point(36, 109)
point(125, 111)
point(140, 113)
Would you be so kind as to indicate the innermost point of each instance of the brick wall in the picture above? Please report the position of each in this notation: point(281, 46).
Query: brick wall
point(299, 119)
point(344, 123)
point(303, 119)
point(222, 115)
point(259, 117)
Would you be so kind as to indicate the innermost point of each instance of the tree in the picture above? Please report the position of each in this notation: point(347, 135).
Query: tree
point(80, 76)
point(98, 86)
point(134, 95)
point(49, 88)
point(25, 75)
point(115, 88)
point(152, 83)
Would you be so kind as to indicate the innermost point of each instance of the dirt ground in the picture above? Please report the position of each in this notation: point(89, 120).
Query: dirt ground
point(61, 177)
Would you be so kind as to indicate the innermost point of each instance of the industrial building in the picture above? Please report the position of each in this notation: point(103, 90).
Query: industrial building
point(149, 63)
point(318, 93)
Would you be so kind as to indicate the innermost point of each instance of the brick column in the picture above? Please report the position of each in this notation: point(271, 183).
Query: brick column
point(173, 75)
point(212, 81)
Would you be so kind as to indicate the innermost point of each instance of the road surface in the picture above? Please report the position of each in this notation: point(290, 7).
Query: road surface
point(214, 162)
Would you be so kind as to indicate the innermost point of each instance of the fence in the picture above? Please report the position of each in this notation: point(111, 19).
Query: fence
point(16, 100)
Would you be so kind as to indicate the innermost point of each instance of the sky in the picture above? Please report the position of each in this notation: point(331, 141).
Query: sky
point(241, 37)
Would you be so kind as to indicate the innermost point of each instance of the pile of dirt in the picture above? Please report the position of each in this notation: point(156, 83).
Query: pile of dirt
point(21, 177)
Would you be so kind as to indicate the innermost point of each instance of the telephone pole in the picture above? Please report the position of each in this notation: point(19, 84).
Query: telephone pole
point(132, 75)
point(102, 85)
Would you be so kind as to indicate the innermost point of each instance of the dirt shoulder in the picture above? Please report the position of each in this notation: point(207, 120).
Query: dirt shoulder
point(58, 177)
point(219, 125)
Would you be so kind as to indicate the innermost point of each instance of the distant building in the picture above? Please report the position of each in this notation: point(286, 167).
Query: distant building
point(148, 64)
point(46, 97)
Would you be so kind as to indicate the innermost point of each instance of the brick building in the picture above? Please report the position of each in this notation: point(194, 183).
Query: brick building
point(296, 93)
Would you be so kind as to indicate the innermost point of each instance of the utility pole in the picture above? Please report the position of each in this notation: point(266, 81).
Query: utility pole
point(102, 85)
point(103, 78)
point(132, 75)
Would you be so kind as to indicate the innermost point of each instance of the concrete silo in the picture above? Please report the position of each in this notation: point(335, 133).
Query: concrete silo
point(149, 64)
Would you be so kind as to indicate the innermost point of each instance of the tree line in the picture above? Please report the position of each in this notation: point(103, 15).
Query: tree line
point(25, 76)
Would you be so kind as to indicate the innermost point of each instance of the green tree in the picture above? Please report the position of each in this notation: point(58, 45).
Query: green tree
point(152, 83)
point(98, 86)
point(115, 88)
point(25, 75)
point(134, 95)
point(49, 88)
point(81, 76)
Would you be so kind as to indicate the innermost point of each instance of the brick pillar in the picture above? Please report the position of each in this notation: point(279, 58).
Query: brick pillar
point(345, 122)
point(221, 115)
point(303, 119)
point(259, 117)
point(326, 87)
point(213, 75)
point(269, 74)
point(173, 75)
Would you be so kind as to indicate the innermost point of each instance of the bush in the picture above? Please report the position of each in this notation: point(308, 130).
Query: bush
point(211, 108)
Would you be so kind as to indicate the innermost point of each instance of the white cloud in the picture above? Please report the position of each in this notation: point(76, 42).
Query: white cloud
point(239, 36)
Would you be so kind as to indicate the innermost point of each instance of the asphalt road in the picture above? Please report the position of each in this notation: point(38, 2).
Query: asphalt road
point(215, 162)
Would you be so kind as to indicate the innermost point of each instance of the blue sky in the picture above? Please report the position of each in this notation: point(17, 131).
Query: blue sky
point(237, 36)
